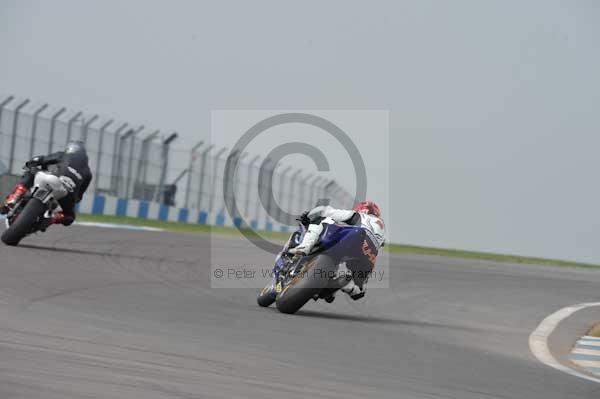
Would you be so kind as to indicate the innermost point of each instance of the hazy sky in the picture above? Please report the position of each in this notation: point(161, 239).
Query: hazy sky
point(494, 120)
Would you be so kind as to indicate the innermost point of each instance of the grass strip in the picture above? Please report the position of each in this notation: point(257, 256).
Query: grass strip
point(393, 248)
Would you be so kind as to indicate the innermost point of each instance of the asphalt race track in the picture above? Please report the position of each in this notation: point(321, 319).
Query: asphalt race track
point(88, 312)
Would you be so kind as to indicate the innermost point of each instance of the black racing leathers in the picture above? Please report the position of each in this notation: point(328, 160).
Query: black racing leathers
point(74, 167)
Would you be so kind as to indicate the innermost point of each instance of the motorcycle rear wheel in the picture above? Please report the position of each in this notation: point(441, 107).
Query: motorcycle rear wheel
point(304, 287)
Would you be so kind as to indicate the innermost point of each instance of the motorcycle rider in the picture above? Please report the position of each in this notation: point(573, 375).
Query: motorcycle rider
point(365, 214)
point(73, 170)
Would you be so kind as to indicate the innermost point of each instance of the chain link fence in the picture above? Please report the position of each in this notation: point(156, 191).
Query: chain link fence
point(133, 162)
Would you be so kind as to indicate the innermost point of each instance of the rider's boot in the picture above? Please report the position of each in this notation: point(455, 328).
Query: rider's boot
point(13, 198)
point(308, 242)
point(354, 291)
point(58, 218)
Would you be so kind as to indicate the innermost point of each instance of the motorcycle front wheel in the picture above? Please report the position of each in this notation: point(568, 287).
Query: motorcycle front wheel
point(23, 224)
point(267, 296)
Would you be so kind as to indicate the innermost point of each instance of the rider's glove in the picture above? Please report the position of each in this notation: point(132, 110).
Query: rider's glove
point(304, 219)
point(354, 291)
point(35, 161)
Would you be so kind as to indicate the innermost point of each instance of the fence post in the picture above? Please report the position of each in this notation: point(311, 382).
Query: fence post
point(86, 126)
point(292, 189)
point(343, 197)
point(313, 191)
point(249, 185)
point(214, 178)
point(34, 121)
point(202, 174)
point(160, 197)
point(228, 175)
point(3, 104)
point(281, 191)
point(130, 162)
point(335, 188)
point(142, 169)
point(189, 177)
point(269, 189)
point(261, 185)
point(13, 140)
point(303, 190)
point(327, 189)
point(99, 157)
point(120, 161)
point(116, 161)
point(70, 124)
point(236, 180)
point(52, 127)
point(321, 191)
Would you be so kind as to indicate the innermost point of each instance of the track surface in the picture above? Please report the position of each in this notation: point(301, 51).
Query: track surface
point(95, 313)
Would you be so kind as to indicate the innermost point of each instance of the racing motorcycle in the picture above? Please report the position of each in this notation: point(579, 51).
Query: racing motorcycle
point(298, 279)
point(34, 212)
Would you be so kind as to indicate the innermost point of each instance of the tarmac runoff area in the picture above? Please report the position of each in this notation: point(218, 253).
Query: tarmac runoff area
point(88, 312)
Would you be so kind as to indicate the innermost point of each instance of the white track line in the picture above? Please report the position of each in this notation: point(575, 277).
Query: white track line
point(538, 340)
point(118, 226)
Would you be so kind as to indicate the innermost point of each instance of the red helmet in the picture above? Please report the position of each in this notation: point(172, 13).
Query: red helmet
point(367, 207)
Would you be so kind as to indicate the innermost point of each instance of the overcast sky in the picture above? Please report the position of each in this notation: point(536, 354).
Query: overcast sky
point(494, 119)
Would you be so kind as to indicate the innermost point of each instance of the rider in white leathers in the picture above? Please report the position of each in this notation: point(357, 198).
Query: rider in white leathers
point(365, 214)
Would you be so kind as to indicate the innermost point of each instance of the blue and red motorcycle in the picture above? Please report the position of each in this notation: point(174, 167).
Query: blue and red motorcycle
point(298, 279)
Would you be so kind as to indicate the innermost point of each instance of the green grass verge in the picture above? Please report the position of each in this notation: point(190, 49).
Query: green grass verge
point(456, 253)
point(175, 227)
point(394, 248)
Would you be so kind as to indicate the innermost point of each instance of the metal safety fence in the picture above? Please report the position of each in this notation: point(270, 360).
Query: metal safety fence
point(134, 162)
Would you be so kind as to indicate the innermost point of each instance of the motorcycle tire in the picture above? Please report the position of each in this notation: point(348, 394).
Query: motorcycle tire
point(22, 226)
point(266, 297)
point(309, 284)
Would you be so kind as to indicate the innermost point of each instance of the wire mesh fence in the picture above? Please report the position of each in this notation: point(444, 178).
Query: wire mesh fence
point(130, 161)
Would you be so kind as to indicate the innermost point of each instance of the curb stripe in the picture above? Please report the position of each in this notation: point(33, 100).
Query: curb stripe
point(538, 340)
point(121, 207)
point(183, 215)
point(202, 217)
point(163, 212)
point(588, 338)
point(584, 346)
point(590, 343)
point(143, 210)
point(585, 356)
point(594, 345)
point(98, 205)
point(588, 364)
point(580, 351)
